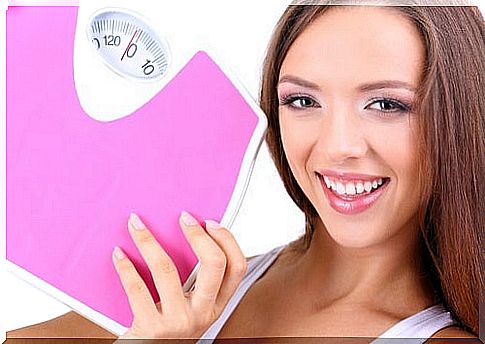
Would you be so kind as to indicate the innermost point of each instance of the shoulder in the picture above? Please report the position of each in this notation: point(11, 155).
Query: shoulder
point(452, 332)
point(276, 256)
point(268, 254)
point(68, 325)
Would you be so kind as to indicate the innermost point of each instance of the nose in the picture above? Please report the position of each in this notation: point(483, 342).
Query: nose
point(342, 136)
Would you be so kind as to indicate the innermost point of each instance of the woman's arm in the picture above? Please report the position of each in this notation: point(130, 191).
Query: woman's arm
point(69, 325)
point(451, 332)
point(73, 325)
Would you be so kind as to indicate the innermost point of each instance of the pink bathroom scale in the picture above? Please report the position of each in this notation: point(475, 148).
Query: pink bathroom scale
point(72, 181)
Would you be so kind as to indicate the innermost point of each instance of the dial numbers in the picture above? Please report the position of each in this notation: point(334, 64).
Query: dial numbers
point(128, 45)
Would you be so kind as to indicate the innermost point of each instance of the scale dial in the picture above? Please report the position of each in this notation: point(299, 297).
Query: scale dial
point(128, 45)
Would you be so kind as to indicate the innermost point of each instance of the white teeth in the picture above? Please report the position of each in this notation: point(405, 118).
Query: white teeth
point(359, 188)
point(350, 189)
point(340, 188)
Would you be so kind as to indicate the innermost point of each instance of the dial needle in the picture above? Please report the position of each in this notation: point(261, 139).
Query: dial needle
point(129, 44)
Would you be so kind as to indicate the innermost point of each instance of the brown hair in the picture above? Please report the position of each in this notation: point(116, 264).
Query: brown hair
point(451, 106)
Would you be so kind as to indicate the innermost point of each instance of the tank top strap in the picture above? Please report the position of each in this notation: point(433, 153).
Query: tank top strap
point(415, 329)
point(419, 327)
point(255, 268)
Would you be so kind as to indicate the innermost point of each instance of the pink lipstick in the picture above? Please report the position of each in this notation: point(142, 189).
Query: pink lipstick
point(351, 193)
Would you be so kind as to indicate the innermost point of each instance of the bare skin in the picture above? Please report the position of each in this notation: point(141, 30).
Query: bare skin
point(69, 325)
point(263, 313)
point(264, 310)
point(259, 306)
point(344, 284)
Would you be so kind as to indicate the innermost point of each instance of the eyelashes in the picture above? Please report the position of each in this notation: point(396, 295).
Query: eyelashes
point(388, 105)
point(385, 106)
point(298, 101)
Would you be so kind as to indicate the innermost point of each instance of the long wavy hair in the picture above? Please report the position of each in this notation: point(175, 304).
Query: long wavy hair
point(451, 103)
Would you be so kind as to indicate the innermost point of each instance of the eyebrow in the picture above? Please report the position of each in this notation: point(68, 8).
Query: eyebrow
point(386, 84)
point(371, 86)
point(298, 81)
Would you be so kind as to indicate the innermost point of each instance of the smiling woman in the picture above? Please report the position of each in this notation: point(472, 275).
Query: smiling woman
point(355, 128)
point(376, 121)
point(376, 127)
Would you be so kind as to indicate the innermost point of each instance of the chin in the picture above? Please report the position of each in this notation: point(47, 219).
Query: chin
point(368, 230)
point(356, 235)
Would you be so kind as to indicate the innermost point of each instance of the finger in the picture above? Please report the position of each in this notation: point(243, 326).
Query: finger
point(163, 270)
point(212, 262)
point(139, 297)
point(236, 261)
point(129, 337)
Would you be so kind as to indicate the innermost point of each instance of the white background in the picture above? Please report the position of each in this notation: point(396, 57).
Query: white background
point(238, 31)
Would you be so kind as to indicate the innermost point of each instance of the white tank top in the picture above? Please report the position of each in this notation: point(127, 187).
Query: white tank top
point(413, 330)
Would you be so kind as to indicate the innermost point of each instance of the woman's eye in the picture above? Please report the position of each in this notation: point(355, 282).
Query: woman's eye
point(299, 102)
point(387, 105)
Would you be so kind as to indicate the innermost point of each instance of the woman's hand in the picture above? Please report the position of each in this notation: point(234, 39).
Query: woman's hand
point(179, 314)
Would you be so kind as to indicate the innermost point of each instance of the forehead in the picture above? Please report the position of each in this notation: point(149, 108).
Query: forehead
point(358, 44)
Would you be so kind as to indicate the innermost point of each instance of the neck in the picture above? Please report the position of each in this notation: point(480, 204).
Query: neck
point(386, 276)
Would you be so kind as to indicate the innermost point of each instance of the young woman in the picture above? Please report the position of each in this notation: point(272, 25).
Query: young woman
point(376, 128)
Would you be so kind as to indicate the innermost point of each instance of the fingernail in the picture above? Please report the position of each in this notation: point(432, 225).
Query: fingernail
point(211, 224)
point(118, 253)
point(136, 222)
point(188, 219)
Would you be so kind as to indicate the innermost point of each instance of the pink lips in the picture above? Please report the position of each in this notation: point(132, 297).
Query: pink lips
point(351, 204)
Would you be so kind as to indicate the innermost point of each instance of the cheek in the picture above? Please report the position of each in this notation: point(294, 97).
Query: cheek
point(397, 148)
point(298, 140)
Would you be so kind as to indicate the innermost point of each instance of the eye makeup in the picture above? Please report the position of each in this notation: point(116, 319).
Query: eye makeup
point(388, 106)
point(298, 101)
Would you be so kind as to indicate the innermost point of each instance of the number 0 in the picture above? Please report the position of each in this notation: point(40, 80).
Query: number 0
point(148, 68)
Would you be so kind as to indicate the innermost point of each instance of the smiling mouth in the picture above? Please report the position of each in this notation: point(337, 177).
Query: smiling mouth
point(352, 194)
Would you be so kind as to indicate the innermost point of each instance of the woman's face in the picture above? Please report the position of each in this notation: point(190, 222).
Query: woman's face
point(346, 89)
